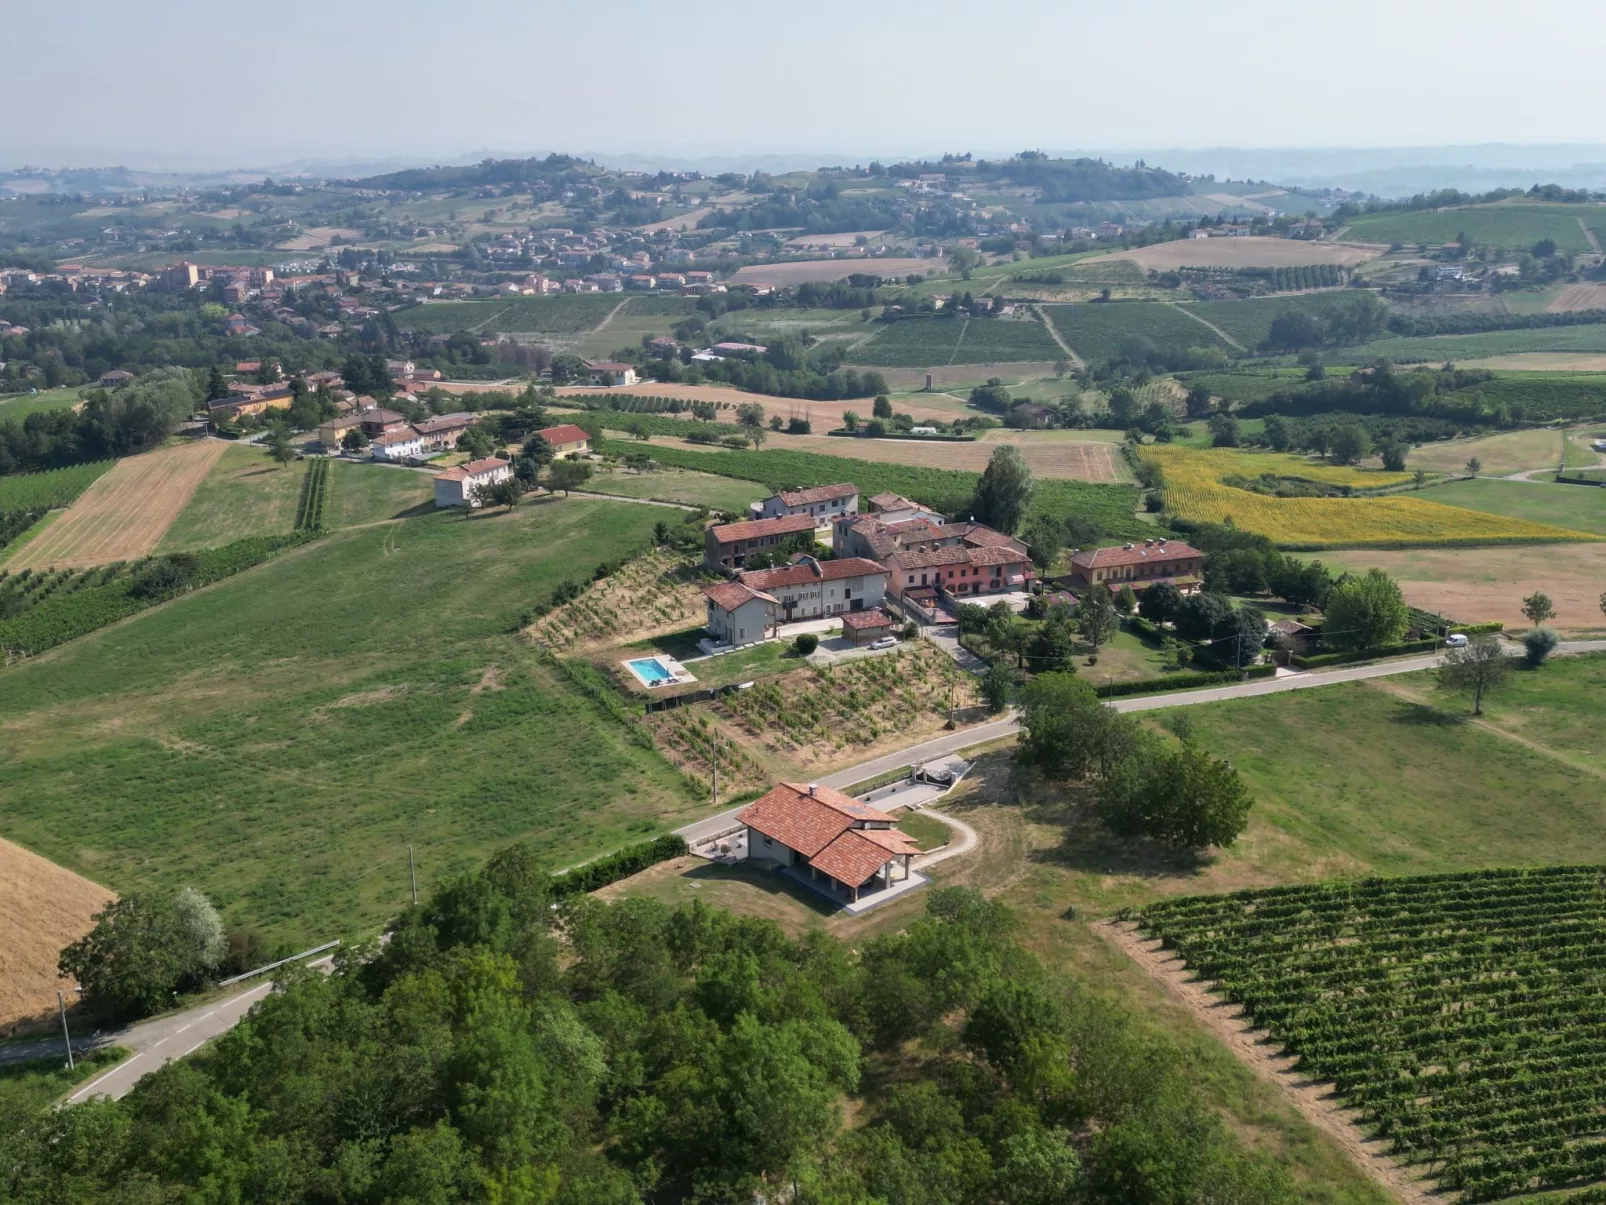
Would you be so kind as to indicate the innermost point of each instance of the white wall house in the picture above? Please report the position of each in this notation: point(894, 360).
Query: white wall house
point(824, 503)
point(401, 444)
point(739, 614)
point(814, 589)
point(466, 484)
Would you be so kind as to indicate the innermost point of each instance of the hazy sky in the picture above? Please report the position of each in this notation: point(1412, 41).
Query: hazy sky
point(123, 80)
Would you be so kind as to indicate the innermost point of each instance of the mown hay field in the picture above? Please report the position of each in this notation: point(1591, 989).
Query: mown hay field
point(1244, 253)
point(1047, 453)
point(124, 514)
point(1195, 491)
point(43, 907)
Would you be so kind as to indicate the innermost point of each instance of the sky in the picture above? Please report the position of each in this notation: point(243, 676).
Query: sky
point(170, 83)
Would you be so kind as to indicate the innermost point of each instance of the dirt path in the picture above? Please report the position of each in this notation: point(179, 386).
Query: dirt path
point(479, 326)
point(966, 842)
point(959, 342)
point(125, 513)
point(1206, 322)
point(1314, 1100)
point(1048, 325)
point(608, 320)
point(1594, 243)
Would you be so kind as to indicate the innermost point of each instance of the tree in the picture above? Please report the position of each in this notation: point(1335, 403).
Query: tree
point(1276, 433)
point(143, 949)
point(1365, 612)
point(1478, 666)
point(1044, 541)
point(508, 492)
point(1096, 618)
point(1053, 645)
point(1223, 431)
point(1201, 615)
point(1474, 467)
point(1348, 443)
point(1538, 644)
point(279, 448)
point(216, 387)
point(1081, 532)
point(1005, 634)
point(850, 420)
point(1160, 602)
point(1393, 454)
point(354, 440)
point(1183, 798)
point(1126, 601)
point(1293, 330)
point(1004, 491)
point(963, 260)
point(476, 442)
point(1241, 639)
point(567, 475)
point(1067, 732)
point(1538, 608)
point(1418, 478)
point(1198, 402)
point(996, 684)
point(881, 407)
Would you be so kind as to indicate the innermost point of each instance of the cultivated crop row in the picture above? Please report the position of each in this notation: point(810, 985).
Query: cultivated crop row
point(314, 500)
point(656, 590)
point(1463, 1015)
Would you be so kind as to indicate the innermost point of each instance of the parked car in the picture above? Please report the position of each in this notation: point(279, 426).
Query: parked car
point(886, 642)
point(1456, 640)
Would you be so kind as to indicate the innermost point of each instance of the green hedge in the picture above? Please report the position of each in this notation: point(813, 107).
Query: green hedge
point(611, 868)
point(58, 620)
point(1186, 681)
point(1318, 660)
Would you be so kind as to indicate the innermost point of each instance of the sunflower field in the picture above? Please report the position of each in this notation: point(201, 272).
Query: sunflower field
point(1195, 488)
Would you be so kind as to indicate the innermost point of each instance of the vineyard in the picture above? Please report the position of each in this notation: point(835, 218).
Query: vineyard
point(654, 592)
point(1195, 490)
point(1097, 331)
point(932, 342)
point(685, 736)
point(1460, 1013)
point(1249, 321)
point(14, 522)
point(946, 490)
point(813, 714)
point(57, 487)
point(23, 591)
point(312, 506)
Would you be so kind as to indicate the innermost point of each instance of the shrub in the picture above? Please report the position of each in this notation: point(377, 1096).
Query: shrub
point(1538, 644)
point(806, 643)
point(615, 866)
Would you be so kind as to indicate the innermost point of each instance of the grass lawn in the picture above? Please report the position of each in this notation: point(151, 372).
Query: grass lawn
point(927, 833)
point(20, 407)
point(366, 493)
point(744, 665)
point(29, 1086)
point(682, 485)
point(1126, 658)
point(245, 494)
point(277, 739)
point(1509, 452)
point(1579, 508)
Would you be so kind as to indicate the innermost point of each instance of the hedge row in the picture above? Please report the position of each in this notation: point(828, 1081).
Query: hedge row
point(64, 618)
point(633, 859)
point(1186, 681)
point(844, 433)
point(1318, 660)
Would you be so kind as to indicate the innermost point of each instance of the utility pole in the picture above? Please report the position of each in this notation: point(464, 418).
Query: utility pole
point(714, 737)
point(412, 873)
point(62, 1005)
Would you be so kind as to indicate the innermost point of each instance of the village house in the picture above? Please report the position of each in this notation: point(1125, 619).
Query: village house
point(402, 443)
point(826, 503)
point(441, 434)
point(739, 614)
point(865, 627)
point(114, 378)
point(567, 440)
point(466, 484)
point(1139, 565)
point(610, 372)
point(810, 588)
point(961, 571)
point(331, 433)
point(255, 402)
point(728, 545)
point(857, 848)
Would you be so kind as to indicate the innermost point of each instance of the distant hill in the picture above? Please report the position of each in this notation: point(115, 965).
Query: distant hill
point(1061, 180)
point(489, 171)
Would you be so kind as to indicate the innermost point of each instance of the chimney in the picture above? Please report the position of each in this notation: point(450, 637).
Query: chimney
point(812, 786)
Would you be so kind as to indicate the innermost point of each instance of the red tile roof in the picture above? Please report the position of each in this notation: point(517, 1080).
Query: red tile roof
point(807, 822)
point(730, 595)
point(446, 422)
point(861, 621)
point(568, 433)
point(757, 529)
point(1136, 554)
point(852, 858)
point(474, 468)
point(956, 554)
point(807, 569)
point(818, 493)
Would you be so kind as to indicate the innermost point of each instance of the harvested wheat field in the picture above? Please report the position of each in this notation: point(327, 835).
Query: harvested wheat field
point(126, 512)
point(43, 907)
point(1047, 452)
point(805, 270)
point(1578, 297)
point(1486, 584)
point(1244, 253)
point(952, 376)
point(1540, 361)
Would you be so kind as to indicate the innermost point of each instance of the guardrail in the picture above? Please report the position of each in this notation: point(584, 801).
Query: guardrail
point(328, 945)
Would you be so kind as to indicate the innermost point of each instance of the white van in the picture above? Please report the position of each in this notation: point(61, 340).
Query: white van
point(1456, 640)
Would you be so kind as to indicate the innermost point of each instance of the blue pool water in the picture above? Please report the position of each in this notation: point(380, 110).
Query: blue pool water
point(651, 671)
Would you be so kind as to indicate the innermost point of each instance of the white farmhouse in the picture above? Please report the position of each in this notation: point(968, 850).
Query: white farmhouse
point(466, 484)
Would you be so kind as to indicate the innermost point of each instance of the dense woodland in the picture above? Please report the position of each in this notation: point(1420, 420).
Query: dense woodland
point(497, 1051)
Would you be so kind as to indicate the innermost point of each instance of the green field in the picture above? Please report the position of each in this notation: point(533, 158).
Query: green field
point(1545, 397)
point(567, 314)
point(57, 487)
point(1096, 330)
point(1574, 506)
point(277, 739)
point(245, 494)
point(947, 490)
point(1515, 227)
point(1246, 387)
point(681, 485)
point(1249, 321)
point(366, 493)
point(933, 342)
point(21, 406)
point(1434, 349)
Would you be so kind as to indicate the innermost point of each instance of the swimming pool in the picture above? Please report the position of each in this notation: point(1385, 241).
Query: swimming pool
point(658, 671)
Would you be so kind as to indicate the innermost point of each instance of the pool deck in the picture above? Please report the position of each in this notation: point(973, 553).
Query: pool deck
point(677, 673)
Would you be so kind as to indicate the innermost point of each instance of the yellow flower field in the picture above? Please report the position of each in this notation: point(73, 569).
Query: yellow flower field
point(1194, 490)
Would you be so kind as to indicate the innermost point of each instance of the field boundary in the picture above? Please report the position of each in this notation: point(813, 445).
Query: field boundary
point(1315, 1100)
point(1054, 333)
point(1224, 336)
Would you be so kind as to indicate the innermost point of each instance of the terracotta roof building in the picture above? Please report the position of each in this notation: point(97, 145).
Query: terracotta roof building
point(959, 570)
point(861, 627)
point(727, 545)
point(810, 588)
point(1139, 565)
point(466, 484)
point(854, 845)
point(738, 614)
point(826, 503)
point(567, 439)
